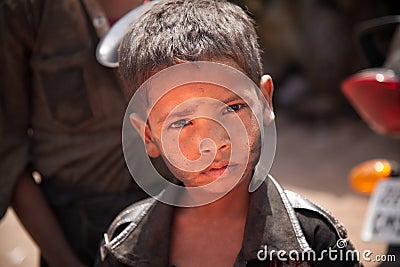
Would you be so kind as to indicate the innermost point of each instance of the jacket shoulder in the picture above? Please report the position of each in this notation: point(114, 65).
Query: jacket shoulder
point(126, 221)
point(323, 231)
point(303, 205)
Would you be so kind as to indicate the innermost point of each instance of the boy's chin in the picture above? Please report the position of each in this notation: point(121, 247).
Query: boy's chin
point(216, 188)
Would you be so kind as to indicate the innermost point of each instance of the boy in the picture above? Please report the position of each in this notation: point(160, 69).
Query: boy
point(192, 66)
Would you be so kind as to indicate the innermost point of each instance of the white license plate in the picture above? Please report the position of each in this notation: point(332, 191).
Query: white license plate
point(382, 222)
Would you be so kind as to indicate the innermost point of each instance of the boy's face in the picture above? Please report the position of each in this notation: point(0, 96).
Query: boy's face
point(205, 132)
point(189, 127)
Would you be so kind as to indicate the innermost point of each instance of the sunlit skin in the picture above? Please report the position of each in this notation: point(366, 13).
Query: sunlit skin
point(194, 124)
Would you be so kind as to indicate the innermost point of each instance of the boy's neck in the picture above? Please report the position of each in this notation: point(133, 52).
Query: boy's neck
point(216, 229)
point(234, 205)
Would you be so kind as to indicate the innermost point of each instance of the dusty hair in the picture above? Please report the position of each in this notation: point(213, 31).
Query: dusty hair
point(175, 31)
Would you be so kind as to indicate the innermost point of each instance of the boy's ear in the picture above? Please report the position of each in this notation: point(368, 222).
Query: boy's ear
point(267, 89)
point(145, 133)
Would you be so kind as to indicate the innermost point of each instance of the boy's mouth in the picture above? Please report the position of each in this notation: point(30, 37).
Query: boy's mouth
point(215, 171)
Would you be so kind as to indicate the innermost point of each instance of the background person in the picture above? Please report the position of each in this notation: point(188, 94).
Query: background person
point(61, 115)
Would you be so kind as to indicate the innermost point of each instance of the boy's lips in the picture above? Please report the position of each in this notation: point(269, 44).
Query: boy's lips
point(215, 171)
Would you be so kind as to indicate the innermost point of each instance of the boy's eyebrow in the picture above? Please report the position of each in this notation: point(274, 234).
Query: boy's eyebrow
point(192, 110)
point(231, 99)
point(177, 114)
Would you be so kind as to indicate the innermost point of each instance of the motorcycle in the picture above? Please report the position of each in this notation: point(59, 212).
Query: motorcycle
point(375, 95)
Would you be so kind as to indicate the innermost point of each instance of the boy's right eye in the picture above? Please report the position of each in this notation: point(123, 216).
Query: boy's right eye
point(180, 123)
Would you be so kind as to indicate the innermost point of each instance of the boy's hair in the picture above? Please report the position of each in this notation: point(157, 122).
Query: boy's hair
point(176, 31)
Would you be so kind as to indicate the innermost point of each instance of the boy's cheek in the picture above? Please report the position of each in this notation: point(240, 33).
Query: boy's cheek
point(183, 158)
point(176, 146)
point(252, 136)
point(189, 152)
point(186, 149)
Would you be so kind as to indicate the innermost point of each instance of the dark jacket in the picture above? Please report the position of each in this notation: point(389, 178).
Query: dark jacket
point(277, 220)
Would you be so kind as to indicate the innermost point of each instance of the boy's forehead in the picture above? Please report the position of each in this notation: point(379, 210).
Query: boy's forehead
point(195, 76)
point(195, 90)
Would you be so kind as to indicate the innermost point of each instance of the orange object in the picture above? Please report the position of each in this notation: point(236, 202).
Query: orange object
point(365, 176)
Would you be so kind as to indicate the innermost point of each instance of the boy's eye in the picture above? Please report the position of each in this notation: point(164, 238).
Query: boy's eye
point(180, 124)
point(233, 108)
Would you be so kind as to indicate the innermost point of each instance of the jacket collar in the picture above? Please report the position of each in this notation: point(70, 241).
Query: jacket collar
point(269, 222)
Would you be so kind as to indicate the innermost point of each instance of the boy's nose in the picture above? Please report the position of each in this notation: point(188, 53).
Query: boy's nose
point(212, 136)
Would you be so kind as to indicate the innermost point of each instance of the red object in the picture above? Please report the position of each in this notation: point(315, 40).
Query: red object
point(375, 94)
point(112, 21)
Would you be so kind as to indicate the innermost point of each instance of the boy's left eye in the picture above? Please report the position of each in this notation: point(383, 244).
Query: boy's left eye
point(233, 108)
point(180, 123)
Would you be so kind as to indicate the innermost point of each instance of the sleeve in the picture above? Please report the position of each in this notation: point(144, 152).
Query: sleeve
point(110, 261)
point(329, 248)
point(16, 35)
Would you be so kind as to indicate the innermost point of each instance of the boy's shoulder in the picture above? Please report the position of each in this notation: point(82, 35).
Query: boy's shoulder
point(122, 226)
point(126, 221)
point(305, 208)
point(321, 229)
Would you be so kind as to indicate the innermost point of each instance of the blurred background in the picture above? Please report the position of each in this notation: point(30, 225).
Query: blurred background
point(310, 47)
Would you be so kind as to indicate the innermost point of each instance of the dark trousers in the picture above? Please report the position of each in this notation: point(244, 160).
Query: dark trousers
point(84, 215)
